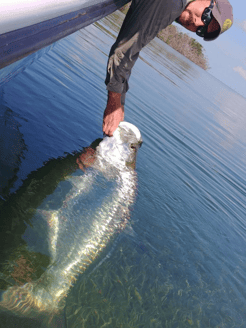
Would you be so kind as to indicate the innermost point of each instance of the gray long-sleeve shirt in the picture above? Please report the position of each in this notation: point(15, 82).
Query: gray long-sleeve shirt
point(144, 20)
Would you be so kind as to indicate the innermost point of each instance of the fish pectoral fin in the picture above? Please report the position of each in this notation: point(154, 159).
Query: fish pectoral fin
point(51, 217)
point(129, 230)
point(47, 214)
point(83, 182)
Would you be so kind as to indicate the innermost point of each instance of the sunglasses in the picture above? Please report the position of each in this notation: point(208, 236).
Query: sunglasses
point(206, 18)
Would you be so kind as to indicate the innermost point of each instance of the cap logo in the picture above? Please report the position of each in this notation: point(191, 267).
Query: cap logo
point(227, 24)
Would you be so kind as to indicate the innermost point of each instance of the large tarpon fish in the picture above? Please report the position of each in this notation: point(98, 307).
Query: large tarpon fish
point(95, 207)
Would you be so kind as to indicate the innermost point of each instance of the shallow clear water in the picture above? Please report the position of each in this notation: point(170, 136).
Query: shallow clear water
point(183, 262)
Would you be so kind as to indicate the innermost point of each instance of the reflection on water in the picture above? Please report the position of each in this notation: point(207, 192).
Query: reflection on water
point(182, 263)
point(9, 72)
point(232, 117)
point(12, 149)
point(164, 56)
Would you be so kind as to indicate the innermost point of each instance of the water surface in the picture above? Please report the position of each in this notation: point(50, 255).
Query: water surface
point(183, 262)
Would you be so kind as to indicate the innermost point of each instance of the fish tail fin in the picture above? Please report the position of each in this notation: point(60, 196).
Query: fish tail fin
point(18, 300)
point(21, 301)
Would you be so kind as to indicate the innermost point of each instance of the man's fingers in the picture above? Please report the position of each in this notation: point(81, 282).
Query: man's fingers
point(109, 129)
point(112, 119)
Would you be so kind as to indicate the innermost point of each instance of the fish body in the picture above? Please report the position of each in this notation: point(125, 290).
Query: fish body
point(95, 207)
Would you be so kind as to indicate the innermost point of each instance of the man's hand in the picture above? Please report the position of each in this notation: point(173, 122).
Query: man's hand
point(113, 114)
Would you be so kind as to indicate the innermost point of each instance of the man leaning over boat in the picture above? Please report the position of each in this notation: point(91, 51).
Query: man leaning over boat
point(144, 19)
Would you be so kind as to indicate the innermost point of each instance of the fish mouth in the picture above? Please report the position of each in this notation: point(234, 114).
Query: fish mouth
point(131, 131)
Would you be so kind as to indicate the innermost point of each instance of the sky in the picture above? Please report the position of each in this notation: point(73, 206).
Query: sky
point(227, 54)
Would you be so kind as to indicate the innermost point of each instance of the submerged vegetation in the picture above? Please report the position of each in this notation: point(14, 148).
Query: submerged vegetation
point(128, 289)
point(181, 42)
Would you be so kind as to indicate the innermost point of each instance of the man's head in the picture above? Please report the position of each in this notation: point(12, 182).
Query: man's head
point(207, 18)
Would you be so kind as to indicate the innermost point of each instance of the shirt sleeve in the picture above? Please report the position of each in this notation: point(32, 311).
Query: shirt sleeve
point(145, 18)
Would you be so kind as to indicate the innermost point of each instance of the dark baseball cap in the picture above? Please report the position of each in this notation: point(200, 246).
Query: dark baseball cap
point(222, 12)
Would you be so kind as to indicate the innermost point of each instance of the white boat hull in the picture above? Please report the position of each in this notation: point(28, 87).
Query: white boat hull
point(28, 26)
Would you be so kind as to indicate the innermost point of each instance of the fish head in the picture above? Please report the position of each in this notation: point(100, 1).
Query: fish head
point(121, 149)
point(130, 138)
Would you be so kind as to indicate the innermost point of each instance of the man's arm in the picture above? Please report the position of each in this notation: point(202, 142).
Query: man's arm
point(143, 21)
point(113, 114)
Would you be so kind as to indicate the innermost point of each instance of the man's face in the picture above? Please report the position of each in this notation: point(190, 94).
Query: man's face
point(191, 17)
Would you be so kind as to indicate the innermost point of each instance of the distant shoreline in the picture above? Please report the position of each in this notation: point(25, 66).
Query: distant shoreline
point(181, 42)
